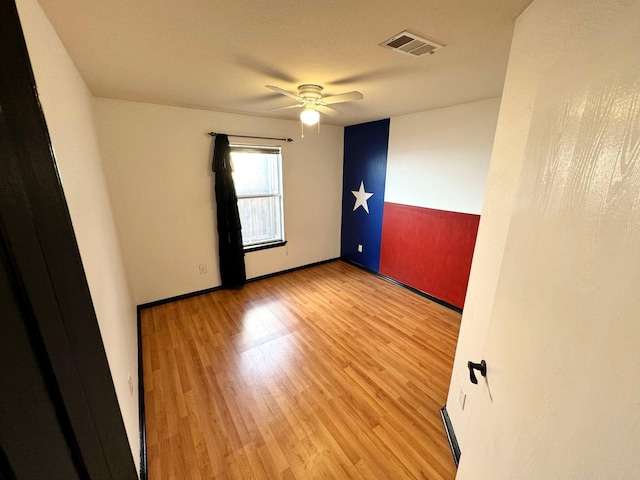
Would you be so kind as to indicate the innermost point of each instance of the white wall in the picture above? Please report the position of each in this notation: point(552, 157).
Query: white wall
point(439, 159)
point(157, 161)
point(544, 34)
point(67, 106)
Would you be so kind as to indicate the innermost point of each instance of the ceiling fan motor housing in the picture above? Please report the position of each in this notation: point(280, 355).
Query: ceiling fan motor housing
point(309, 90)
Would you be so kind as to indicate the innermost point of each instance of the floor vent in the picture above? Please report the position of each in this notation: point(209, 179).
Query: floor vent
point(411, 44)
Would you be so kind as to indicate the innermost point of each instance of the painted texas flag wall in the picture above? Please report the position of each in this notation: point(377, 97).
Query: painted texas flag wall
point(413, 188)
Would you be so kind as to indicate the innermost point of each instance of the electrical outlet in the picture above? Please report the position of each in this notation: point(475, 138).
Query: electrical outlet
point(203, 269)
point(462, 398)
point(359, 248)
point(130, 381)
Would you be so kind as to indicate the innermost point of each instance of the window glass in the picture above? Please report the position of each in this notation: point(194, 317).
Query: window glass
point(257, 174)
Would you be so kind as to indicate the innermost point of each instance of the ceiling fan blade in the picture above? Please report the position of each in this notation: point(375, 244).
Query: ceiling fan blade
point(343, 97)
point(282, 91)
point(285, 108)
point(332, 112)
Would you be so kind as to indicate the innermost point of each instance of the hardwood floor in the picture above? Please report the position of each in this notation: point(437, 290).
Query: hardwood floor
point(326, 372)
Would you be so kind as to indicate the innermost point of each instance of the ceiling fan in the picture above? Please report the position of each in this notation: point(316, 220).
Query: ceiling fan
point(310, 99)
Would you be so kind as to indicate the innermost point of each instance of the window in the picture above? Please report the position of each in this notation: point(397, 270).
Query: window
point(257, 174)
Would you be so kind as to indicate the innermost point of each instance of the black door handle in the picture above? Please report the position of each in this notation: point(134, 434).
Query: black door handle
point(481, 367)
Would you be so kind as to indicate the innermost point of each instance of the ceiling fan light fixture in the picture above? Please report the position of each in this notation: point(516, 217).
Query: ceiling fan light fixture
point(309, 116)
point(310, 99)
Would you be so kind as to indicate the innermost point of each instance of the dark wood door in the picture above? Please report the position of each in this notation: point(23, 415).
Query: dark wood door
point(35, 433)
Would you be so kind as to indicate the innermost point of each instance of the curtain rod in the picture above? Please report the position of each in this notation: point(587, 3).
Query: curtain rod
point(213, 134)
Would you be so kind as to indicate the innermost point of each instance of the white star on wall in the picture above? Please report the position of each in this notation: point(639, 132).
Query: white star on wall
point(361, 198)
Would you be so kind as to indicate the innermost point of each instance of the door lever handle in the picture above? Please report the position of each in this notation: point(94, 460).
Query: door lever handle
point(481, 367)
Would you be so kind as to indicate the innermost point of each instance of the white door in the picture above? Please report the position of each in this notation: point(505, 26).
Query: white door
point(561, 399)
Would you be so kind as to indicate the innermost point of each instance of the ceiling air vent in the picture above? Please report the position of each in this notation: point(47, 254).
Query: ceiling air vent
point(411, 44)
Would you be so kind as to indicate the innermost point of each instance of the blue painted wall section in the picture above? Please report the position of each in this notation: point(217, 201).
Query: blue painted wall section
point(365, 160)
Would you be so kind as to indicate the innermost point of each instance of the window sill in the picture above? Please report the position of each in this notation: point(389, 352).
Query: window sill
point(264, 246)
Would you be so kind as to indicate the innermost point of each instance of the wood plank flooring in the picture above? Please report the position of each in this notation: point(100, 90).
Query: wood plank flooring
point(327, 372)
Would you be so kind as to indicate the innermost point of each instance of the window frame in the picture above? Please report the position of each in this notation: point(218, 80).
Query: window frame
point(279, 195)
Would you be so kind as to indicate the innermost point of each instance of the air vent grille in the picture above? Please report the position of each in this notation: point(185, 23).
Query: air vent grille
point(400, 41)
point(410, 44)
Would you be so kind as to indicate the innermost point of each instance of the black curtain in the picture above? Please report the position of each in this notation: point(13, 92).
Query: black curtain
point(232, 270)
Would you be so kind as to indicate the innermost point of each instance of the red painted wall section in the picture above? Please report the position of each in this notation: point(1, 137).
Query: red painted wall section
point(430, 250)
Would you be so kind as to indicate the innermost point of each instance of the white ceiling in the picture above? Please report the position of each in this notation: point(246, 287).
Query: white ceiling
point(219, 55)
